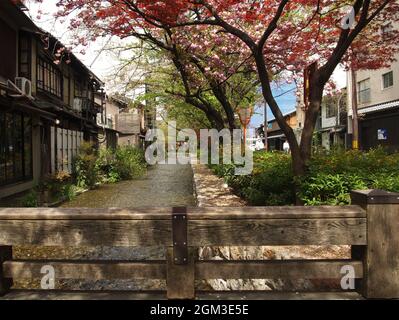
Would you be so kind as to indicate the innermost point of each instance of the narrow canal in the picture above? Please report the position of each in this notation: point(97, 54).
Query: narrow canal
point(162, 186)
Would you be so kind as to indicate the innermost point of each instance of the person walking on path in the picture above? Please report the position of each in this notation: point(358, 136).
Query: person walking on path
point(286, 147)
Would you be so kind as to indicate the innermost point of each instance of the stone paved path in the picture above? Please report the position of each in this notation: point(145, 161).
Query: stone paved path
point(211, 192)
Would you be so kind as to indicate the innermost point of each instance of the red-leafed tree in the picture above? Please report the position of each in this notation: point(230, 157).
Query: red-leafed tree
point(282, 36)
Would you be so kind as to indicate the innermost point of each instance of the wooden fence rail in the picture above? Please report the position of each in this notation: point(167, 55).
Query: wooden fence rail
point(371, 227)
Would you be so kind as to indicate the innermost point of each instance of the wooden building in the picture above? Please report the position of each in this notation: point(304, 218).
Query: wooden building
point(131, 123)
point(107, 120)
point(276, 136)
point(47, 102)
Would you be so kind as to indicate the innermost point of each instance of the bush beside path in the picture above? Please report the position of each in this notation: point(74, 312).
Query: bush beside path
point(212, 191)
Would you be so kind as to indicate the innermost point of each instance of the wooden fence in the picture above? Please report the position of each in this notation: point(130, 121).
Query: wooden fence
point(371, 227)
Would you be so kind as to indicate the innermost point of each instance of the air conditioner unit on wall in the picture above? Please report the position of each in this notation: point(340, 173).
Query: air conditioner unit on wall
point(25, 85)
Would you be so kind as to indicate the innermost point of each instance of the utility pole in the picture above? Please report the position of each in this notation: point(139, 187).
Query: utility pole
point(355, 118)
point(266, 125)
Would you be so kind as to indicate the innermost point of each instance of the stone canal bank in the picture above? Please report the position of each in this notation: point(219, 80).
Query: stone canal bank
point(167, 186)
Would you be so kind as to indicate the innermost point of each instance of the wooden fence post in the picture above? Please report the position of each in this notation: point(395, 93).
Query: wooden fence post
point(180, 268)
point(5, 283)
point(180, 278)
point(381, 256)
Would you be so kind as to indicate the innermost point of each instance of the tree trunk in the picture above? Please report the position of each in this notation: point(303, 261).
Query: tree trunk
point(220, 94)
point(315, 99)
point(301, 153)
point(214, 117)
point(299, 168)
point(298, 163)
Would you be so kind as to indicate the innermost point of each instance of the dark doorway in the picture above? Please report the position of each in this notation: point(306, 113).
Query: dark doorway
point(45, 151)
point(380, 130)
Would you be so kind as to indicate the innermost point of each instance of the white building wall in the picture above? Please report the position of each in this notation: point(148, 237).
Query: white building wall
point(377, 94)
point(327, 122)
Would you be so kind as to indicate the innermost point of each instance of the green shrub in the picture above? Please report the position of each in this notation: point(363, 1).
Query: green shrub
point(329, 189)
point(271, 182)
point(356, 162)
point(130, 162)
point(54, 184)
point(31, 200)
point(105, 164)
point(385, 181)
point(85, 170)
point(113, 176)
point(330, 178)
point(124, 163)
point(68, 191)
point(273, 178)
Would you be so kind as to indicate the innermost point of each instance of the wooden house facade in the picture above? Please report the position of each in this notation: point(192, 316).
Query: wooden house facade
point(47, 102)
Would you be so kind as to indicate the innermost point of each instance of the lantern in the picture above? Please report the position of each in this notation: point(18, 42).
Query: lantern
point(245, 115)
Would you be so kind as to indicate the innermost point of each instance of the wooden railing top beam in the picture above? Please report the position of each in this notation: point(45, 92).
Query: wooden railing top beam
point(249, 226)
point(204, 213)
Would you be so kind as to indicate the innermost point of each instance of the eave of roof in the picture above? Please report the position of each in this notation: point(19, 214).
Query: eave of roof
point(18, 17)
point(284, 115)
point(73, 56)
point(380, 107)
point(26, 24)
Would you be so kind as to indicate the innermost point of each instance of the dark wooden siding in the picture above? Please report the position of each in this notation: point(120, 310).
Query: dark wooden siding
point(8, 51)
point(370, 126)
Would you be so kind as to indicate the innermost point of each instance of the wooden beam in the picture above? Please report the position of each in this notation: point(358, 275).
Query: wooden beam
point(158, 295)
point(382, 257)
point(86, 232)
point(250, 232)
point(276, 295)
point(275, 269)
point(18, 294)
point(150, 213)
point(339, 231)
point(243, 213)
point(194, 213)
point(180, 279)
point(5, 281)
point(265, 269)
point(88, 270)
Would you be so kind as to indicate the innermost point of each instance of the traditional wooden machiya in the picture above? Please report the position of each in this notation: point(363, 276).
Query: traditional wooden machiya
point(49, 101)
point(370, 226)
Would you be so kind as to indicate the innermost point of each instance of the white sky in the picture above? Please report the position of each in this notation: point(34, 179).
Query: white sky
point(339, 77)
point(101, 65)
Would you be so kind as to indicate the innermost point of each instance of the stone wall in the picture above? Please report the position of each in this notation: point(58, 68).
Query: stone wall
point(212, 191)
